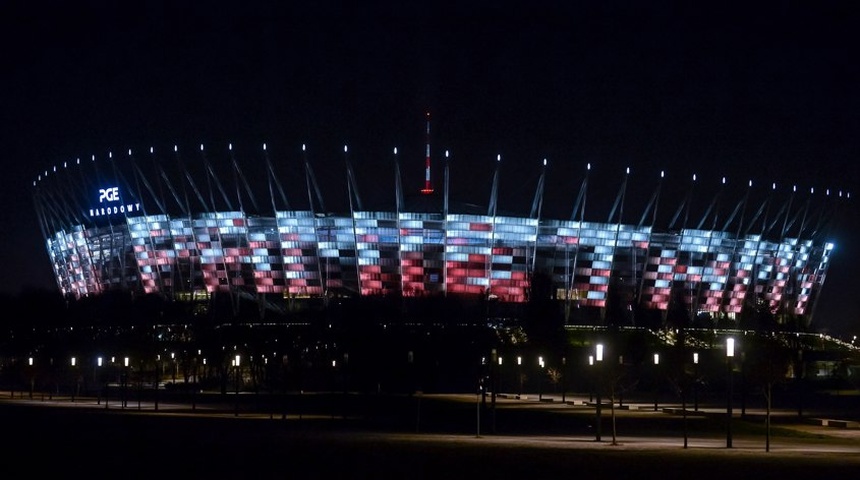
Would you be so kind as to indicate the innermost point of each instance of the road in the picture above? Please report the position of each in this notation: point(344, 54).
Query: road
point(428, 436)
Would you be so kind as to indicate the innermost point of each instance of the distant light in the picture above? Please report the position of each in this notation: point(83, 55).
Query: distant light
point(544, 162)
point(730, 347)
point(588, 166)
point(628, 170)
point(794, 188)
point(303, 147)
point(591, 359)
point(750, 183)
point(201, 147)
point(229, 146)
point(125, 361)
point(175, 148)
point(656, 359)
point(695, 357)
point(110, 155)
point(498, 158)
point(79, 160)
point(64, 164)
point(773, 186)
point(237, 360)
point(264, 146)
point(446, 153)
point(724, 180)
point(344, 149)
point(829, 246)
point(129, 152)
point(811, 190)
point(827, 192)
point(694, 177)
point(151, 150)
point(73, 361)
point(662, 174)
point(599, 352)
point(395, 150)
point(55, 169)
point(94, 158)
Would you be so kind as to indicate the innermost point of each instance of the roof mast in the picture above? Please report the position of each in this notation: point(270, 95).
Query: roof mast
point(428, 188)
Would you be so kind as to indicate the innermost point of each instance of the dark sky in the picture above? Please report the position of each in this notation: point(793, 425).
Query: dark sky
point(766, 92)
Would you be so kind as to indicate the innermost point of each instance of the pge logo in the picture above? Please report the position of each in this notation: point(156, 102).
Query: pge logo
point(108, 194)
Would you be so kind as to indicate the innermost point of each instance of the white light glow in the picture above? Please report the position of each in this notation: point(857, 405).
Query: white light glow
point(730, 347)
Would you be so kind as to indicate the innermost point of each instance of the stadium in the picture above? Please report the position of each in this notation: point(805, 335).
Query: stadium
point(193, 223)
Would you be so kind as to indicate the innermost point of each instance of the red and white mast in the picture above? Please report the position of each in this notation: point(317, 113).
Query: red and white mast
point(428, 188)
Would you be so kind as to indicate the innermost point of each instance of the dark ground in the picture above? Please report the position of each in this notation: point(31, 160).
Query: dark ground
point(375, 437)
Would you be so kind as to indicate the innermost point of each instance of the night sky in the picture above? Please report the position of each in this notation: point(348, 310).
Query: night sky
point(767, 93)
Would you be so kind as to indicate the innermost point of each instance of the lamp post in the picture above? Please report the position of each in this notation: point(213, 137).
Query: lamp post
point(696, 381)
point(157, 377)
point(74, 390)
point(591, 377)
point(598, 357)
point(520, 375)
point(730, 353)
point(98, 365)
point(540, 379)
point(236, 364)
point(563, 379)
point(656, 375)
point(30, 365)
point(125, 382)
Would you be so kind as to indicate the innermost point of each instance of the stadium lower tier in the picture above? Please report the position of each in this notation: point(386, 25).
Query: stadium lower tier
point(302, 254)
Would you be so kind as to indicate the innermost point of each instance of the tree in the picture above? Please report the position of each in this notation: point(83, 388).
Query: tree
point(767, 362)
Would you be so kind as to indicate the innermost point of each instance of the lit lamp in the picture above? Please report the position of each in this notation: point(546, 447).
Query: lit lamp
point(236, 363)
point(730, 352)
point(656, 389)
point(99, 362)
point(500, 372)
point(125, 382)
point(696, 381)
point(520, 373)
point(74, 361)
point(540, 379)
point(30, 363)
point(598, 357)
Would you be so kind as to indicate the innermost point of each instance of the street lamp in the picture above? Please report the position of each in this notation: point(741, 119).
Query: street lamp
point(236, 364)
point(30, 363)
point(98, 364)
point(125, 382)
point(74, 391)
point(696, 381)
point(598, 357)
point(520, 374)
point(540, 379)
point(591, 384)
point(730, 352)
point(656, 389)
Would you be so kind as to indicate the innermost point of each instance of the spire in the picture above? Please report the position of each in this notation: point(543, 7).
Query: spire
point(428, 187)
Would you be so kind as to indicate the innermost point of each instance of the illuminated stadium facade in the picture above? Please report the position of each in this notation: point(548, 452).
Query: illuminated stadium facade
point(150, 224)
